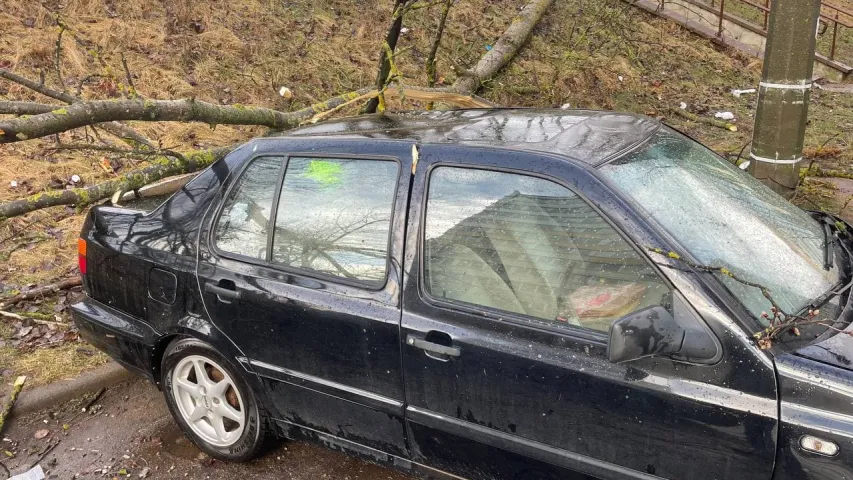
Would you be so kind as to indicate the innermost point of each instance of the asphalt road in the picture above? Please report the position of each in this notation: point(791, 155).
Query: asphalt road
point(129, 429)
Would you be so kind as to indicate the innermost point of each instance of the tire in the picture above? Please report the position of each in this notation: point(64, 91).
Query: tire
point(200, 405)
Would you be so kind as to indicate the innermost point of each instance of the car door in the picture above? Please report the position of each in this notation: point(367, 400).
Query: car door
point(514, 274)
point(300, 269)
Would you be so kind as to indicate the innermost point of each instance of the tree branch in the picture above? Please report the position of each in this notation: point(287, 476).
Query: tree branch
point(162, 167)
point(121, 131)
point(25, 108)
point(505, 48)
point(42, 291)
point(433, 51)
point(99, 111)
point(387, 49)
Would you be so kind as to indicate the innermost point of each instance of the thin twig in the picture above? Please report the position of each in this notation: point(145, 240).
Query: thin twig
point(25, 317)
point(131, 86)
point(723, 271)
point(44, 454)
point(58, 53)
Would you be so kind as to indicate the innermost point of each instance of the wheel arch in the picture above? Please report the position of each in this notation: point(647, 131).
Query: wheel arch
point(159, 351)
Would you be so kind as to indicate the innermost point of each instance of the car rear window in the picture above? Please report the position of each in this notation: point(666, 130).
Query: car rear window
point(334, 217)
point(529, 246)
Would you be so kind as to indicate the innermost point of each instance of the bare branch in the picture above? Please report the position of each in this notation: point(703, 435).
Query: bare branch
point(121, 131)
point(57, 61)
point(37, 87)
point(433, 51)
point(41, 291)
point(505, 48)
point(25, 108)
point(131, 87)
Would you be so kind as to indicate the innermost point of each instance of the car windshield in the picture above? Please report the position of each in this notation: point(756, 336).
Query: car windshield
point(725, 218)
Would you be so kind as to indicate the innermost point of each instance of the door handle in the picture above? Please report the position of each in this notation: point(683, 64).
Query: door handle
point(431, 347)
point(222, 292)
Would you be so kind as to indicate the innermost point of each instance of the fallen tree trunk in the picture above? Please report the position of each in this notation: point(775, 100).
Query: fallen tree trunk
point(10, 401)
point(186, 110)
point(160, 168)
point(39, 292)
point(163, 166)
point(460, 93)
point(505, 48)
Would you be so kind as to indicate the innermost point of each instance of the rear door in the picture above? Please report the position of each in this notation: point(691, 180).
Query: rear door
point(300, 267)
point(514, 274)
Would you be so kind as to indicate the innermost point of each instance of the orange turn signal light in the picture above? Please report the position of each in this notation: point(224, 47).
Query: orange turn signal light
point(81, 256)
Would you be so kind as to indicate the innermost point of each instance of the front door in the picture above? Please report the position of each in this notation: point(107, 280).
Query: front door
point(300, 268)
point(507, 302)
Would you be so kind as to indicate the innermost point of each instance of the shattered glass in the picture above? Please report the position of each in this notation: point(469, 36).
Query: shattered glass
point(725, 218)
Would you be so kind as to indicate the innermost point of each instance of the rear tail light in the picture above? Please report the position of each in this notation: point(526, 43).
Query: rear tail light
point(81, 255)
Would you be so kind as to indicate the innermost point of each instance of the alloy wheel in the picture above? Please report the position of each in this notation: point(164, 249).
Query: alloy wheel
point(208, 400)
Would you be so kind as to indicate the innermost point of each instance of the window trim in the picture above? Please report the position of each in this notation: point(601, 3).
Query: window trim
point(518, 319)
point(267, 261)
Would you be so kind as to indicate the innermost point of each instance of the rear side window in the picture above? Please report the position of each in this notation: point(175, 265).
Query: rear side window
point(532, 247)
point(244, 221)
point(334, 217)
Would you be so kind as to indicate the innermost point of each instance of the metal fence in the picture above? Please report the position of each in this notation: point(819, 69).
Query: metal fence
point(835, 32)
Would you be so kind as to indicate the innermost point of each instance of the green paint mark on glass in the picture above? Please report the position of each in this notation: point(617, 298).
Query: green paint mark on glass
point(325, 172)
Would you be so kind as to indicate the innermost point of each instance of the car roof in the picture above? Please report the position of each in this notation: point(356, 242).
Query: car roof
point(592, 137)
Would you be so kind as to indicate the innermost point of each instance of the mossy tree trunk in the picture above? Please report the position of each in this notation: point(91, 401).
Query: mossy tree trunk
point(187, 110)
point(391, 38)
point(161, 167)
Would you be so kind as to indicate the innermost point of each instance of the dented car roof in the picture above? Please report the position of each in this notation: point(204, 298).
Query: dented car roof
point(592, 137)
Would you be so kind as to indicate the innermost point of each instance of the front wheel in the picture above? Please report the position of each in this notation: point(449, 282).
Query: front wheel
point(213, 405)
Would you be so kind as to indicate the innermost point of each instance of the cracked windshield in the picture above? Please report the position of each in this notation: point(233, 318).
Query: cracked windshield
point(726, 218)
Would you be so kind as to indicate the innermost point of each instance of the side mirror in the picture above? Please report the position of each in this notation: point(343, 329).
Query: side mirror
point(651, 331)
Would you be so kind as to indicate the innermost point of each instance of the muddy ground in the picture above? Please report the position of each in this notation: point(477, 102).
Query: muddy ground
point(129, 429)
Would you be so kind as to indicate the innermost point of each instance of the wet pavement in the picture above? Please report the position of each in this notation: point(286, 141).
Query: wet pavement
point(128, 433)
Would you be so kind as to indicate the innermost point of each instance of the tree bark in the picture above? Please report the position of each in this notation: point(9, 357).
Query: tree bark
point(186, 110)
point(124, 132)
point(391, 38)
point(42, 291)
point(161, 167)
point(25, 108)
point(433, 51)
point(10, 401)
point(505, 48)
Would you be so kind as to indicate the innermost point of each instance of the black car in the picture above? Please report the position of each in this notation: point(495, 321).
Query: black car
point(487, 294)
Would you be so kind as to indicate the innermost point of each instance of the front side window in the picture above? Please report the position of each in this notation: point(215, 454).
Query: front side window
point(529, 246)
point(334, 217)
point(244, 221)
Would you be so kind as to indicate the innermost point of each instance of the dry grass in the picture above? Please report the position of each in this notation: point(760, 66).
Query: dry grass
point(47, 365)
point(588, 53)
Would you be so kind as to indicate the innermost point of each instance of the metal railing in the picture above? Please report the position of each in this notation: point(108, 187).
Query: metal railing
point(830, 16)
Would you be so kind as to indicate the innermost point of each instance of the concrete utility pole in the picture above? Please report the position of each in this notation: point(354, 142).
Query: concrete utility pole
point(783, 94)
